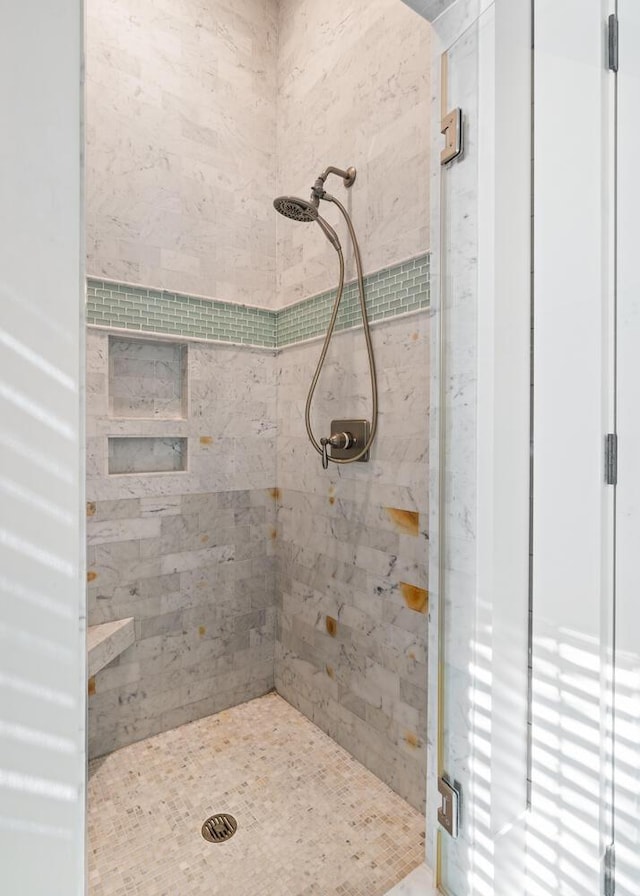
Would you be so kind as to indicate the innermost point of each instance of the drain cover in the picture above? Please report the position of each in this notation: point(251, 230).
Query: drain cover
point(219, 828)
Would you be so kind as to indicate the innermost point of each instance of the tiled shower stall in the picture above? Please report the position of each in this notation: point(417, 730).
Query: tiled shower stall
point(244, 565)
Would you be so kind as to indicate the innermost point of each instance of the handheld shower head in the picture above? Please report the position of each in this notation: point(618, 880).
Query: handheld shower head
point(296, 209)
point(299, 210)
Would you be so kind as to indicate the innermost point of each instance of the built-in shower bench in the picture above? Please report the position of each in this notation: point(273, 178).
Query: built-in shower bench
point(107, 641)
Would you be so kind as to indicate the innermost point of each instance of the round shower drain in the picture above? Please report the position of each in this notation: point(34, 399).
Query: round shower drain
point(219, 828)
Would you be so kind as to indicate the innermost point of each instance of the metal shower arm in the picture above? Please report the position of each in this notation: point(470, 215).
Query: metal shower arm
point(347, 176)
point(348, 179)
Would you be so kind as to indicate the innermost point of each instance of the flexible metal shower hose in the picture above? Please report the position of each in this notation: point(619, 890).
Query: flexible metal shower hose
point(327, 340)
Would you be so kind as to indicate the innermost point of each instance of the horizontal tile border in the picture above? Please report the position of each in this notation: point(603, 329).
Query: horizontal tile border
point(398, 289)
point(111, 304)
point(390, 292)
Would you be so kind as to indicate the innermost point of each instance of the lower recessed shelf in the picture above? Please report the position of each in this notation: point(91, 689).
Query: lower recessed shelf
point(140, 454)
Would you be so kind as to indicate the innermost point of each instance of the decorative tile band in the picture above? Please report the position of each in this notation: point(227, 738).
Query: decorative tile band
point(156, 311)
point(395, 290)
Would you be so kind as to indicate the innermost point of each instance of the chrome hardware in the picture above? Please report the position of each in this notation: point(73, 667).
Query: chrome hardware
point(449, 812)
point(611, 459)
point(342, 440)
point(451, 127)
point(347, 440)
point(325, 453)
point(610, 871)
point(613, 43)
point(339, 441)
point(300, 210)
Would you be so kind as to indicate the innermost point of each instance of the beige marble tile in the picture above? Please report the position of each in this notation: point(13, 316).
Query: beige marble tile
point(181, 140)
point(107, 641)
point(198, 115)
point(353, 546)
point(311, 820)
point(353, 89)
point(190, 556)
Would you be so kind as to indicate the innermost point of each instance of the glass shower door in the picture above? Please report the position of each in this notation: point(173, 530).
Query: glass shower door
point(457, 486)
point(484, 454)
point(483, 656)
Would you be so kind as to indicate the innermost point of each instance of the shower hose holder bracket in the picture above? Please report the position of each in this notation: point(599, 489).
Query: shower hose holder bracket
point(449, 811)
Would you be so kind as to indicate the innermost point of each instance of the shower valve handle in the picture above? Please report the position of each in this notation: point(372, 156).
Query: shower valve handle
point(340, 440)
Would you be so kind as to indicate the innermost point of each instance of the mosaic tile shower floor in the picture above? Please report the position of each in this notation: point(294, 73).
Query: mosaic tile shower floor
point(311, 820)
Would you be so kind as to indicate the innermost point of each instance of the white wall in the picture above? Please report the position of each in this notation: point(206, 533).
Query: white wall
point(181, 140)
point(572, 506)
point(42, 653)
point(627, 696)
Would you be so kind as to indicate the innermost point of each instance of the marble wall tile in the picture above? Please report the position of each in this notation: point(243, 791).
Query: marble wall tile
point(182, 169)
point(430, 9)
point(107, 641)
point(146, 379)
point(185, 109)
point(227, 450)
point(345, 553)
point(147, 455)
point(353, 89)
point(189, 556)
point(181, 140)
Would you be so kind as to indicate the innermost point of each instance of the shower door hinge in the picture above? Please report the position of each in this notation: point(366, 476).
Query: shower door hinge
point(610, 871)
point(612, 43)
point(451, 127)
point(611, 459)
point(449, 811)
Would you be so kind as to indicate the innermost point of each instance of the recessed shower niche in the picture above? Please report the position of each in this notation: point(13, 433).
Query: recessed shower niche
point(147, 455)
point(147, 382)
point(147, 379)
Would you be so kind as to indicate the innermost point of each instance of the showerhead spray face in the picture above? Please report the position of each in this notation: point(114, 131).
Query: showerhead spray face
point(299, 210)
point(296, 209)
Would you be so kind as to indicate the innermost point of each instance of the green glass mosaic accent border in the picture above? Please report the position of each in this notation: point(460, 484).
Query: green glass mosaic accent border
point(396, 290)
point(130, 308)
